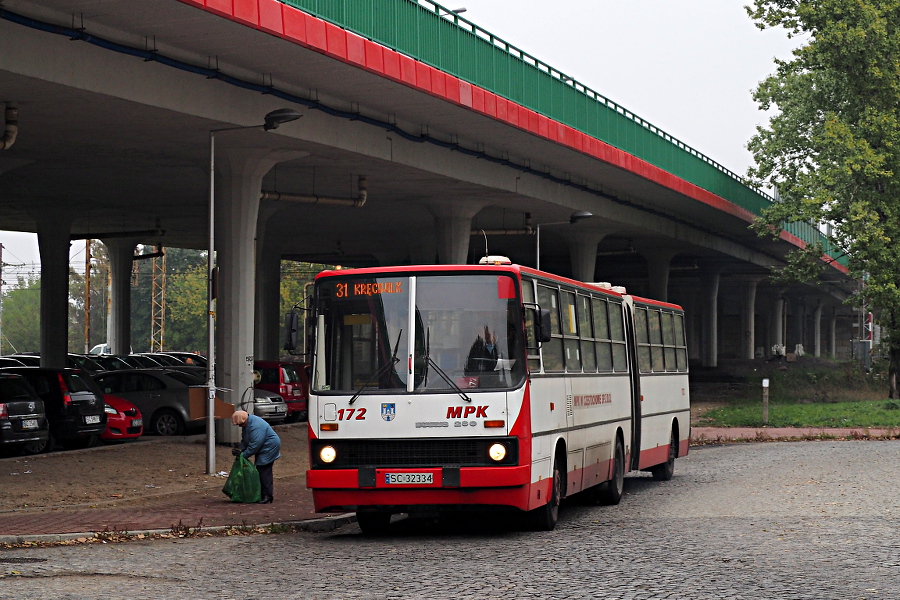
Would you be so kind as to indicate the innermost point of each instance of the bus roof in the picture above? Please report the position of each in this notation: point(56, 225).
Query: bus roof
point(508, 268)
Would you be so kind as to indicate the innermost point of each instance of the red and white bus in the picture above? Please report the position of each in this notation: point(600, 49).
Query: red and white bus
point(488, 385)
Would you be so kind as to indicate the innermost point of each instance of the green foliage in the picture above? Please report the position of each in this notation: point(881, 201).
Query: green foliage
point(833, 148)
point(21, 325)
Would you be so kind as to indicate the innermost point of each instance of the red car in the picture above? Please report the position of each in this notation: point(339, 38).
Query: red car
point(123, 420)
point(288, 380)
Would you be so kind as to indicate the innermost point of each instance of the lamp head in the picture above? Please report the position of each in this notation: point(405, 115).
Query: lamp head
point(280, 116)
point(581, 215)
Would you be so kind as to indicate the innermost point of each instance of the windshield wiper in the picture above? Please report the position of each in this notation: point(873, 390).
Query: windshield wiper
point(440, 371)
point(384, 369)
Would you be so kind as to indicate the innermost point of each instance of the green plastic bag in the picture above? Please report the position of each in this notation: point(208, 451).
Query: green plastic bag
point(242, 484)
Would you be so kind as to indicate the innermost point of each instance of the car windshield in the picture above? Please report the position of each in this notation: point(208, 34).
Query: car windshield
point(467, 333)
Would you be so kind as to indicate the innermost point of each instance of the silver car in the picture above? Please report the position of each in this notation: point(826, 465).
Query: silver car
point(268, 405)
point(162, 395)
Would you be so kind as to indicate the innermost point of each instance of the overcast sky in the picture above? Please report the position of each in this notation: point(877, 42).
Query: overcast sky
point(687, 66)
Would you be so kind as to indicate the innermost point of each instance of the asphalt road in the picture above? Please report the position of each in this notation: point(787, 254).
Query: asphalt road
point(800, 520)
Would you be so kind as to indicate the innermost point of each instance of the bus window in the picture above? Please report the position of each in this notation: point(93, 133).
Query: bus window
point(617, 335)
point(642, 335)
point(531, 343)
point(656, 347)
point(471, 332)
point(601, 334)
point(365, 319)
point(588, 355)
point(680, 350)
point(668, 330)
point(552, 351)
point(570, 329)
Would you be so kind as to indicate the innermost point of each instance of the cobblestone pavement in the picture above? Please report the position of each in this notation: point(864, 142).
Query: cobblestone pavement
point(799, 520)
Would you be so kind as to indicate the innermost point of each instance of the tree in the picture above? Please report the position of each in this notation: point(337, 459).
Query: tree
point(833, 148)
point(21, 316)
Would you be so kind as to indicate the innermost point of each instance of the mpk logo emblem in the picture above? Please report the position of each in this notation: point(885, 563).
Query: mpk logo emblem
point(389, 411)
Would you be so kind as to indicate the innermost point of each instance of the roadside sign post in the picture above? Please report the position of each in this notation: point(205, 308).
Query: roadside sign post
point(765, 386)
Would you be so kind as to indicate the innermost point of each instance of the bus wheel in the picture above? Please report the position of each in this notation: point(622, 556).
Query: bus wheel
point(545, 517)
point(373, 522)
point(610, 493)
point(665, 471)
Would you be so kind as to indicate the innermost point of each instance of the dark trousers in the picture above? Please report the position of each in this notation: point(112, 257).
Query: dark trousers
point(266, 483)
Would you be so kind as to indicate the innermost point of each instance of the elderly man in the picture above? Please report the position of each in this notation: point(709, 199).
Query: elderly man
point(260, 440)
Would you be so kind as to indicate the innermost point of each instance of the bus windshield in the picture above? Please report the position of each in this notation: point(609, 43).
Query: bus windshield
point(467, 332)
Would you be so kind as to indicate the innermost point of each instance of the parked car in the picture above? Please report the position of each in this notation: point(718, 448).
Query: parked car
point(290, 381)
point(189, 358)
point(86, 363)
point(29, 360)
point(110, 362)
point(163, 359)
point(162, 396)
point(123, 420)
point(105, 349)
point(22, 418)
point(6, 361)
point(172, 362)
point(73, 404)
point(268, 405)
point(73, 361)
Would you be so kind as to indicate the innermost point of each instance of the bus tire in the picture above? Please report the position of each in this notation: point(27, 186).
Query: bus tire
point(665, 471)
point(545, 517)
point(373, 522)
point(610, 493)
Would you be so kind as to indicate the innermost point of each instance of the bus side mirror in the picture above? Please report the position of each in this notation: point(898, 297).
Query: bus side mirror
point(291, 330)
point(542, 327)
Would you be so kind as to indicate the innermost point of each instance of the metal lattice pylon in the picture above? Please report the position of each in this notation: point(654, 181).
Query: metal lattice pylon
point(158, 305)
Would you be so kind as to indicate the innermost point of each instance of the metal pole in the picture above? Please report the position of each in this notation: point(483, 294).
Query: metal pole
point(87, 296)
point(537, 235)
point(211, 315)
point(1, 299)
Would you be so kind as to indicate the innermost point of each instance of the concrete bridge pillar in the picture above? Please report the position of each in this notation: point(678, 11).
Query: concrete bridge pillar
point(777, 321)
point(53, 242)
point(832, 333)
point(453, 224)
point(748, 319)
point(267, 307)
point(659, 261)
point(239, 178)
point(817, 329)
point(583, 254)
point(118, 321)
point(710, 332)
point(796, 319)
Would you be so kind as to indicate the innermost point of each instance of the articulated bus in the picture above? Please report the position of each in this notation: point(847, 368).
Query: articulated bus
point(445, 386)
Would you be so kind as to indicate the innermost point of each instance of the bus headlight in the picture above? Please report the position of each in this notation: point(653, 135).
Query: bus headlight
point(327, 454)
point(497, 452)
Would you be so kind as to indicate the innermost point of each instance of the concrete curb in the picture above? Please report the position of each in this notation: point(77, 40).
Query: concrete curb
point(325, 524)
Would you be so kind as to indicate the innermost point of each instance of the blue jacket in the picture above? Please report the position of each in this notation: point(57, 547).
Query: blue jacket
point(260, 439)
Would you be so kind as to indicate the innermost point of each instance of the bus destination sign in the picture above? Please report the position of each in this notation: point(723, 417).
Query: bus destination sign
point(346, 290)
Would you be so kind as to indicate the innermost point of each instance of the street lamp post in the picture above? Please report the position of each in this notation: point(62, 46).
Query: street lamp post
point(575, 217)
point(271, 121)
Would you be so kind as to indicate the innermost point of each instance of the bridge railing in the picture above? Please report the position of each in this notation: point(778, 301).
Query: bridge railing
point(433, 34)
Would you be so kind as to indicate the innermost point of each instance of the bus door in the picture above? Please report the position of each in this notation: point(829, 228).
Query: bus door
point(635, 377)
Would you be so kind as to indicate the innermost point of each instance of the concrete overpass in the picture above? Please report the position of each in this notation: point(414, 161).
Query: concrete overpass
point(451, 129)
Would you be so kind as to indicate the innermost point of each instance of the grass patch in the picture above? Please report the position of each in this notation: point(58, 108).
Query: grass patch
point(811, 392)
point(859, 414)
